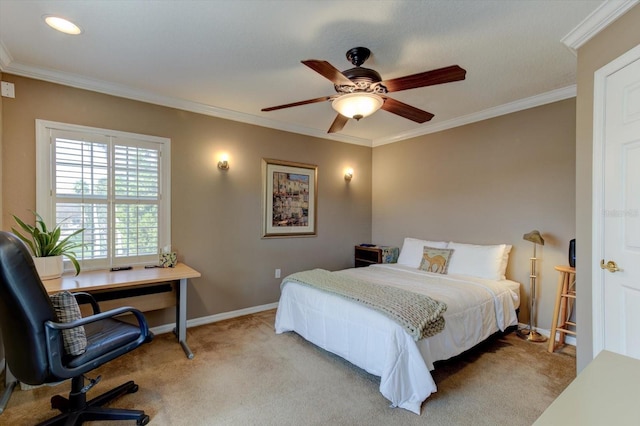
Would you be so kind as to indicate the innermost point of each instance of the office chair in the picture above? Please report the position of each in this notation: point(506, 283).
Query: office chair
point(34, 347)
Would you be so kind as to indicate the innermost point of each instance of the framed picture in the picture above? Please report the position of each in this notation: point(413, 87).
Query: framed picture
point(289, 199)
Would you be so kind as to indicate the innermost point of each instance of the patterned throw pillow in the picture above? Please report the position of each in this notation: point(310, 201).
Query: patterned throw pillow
point(67, 310)
point(435, 259)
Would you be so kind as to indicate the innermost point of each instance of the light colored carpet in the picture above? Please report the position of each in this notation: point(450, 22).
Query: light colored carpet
point(245, 374)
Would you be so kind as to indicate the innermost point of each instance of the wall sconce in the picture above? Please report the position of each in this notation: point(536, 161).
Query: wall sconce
point(348, 174)
point(223, 164)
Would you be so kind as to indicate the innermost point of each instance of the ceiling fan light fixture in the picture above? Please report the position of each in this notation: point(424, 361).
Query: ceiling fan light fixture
point(357, 105)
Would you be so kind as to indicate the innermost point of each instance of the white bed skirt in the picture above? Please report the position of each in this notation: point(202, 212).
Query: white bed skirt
point(363, 337)
point(378, 345)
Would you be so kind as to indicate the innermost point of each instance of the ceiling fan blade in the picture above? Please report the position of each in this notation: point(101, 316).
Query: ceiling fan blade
point(407, 111)
point(309, 101)
point(328, 71)
point(427, 78)
point(338, 123)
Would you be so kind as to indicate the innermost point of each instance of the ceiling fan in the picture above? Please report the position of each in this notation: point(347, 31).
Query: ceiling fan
point(361, 91)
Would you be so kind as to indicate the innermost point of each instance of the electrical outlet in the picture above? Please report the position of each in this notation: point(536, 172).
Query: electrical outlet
point(278, 273)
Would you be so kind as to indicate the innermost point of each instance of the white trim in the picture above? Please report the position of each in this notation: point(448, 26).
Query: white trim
point(597, 239)
point(44, 171)
point(138, 95)
point(5, 57)
point(94, 85)
point(608, 12)
point(511, 107)
point(167, 328)
point(598, 20)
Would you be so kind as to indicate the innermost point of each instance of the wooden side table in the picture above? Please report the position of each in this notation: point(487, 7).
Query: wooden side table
point(565, 299)
point(368, 255)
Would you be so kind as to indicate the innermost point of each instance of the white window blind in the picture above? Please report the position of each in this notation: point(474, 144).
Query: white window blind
point(113, 184)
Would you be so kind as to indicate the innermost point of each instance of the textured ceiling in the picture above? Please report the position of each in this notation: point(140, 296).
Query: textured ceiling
point(232, 58)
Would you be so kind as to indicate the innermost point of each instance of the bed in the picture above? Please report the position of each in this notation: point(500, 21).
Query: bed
point(479, 302)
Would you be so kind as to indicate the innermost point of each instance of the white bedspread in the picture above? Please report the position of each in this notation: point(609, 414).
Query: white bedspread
point(477, 308)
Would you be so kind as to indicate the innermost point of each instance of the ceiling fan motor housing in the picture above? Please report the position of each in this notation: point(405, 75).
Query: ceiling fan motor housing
point(363, 79)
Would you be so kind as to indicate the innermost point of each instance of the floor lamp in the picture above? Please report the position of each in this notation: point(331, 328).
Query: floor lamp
point(530, 334)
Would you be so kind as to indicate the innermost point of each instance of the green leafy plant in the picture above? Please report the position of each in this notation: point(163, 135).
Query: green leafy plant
point(45, 243)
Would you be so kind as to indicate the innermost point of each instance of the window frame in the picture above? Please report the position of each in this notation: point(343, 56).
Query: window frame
point(45, 177)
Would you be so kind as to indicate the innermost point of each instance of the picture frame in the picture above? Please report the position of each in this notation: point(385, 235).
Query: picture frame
point(290, 198)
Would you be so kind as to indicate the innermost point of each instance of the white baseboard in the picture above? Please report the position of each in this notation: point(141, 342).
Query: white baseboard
point(168, 328)
point(569, 340)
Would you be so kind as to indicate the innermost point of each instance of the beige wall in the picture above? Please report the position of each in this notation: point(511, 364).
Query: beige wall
point(487, 182)
point(611, 43)
point(216, 216)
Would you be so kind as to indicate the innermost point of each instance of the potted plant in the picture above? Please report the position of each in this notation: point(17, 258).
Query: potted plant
point(47, 247)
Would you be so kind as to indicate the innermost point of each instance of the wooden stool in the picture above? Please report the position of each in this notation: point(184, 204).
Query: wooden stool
point(565, 299)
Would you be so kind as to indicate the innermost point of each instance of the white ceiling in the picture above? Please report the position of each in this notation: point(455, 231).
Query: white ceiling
point(230, 58)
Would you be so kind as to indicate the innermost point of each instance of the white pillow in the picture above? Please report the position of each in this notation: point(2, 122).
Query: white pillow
point(505, 261)
point(412, 249)
point(482, 261)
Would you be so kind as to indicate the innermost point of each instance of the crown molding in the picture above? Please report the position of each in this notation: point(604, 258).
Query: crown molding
point(598, 20)
point(100, 86)
point(511, 107)
point(80, 82)
point(5, 57)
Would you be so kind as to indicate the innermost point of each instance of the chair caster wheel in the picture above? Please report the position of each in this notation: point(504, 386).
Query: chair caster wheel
point(144, 420)
point(59, 403)
point(134, 389)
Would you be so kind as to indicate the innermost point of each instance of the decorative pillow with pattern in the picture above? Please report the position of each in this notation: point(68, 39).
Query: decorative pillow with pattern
point(67, 310)
point(435, 259)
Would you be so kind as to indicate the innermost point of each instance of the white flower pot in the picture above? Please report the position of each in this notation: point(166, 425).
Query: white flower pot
point(49, 267)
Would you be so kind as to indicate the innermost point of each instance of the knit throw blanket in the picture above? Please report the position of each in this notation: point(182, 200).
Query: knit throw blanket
point(419, 314)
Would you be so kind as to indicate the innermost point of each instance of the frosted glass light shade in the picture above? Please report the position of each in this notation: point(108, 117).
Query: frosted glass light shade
point(357, 105)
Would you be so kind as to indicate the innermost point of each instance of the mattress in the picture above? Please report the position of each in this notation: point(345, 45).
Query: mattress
point(476, 308)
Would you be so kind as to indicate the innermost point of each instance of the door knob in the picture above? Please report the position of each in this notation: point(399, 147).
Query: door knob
point(610, 266)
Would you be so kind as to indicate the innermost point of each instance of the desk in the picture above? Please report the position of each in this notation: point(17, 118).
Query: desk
point(105, 281)
point(604, 393)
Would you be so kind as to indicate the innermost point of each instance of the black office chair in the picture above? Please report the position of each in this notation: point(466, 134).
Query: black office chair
point(33, 340)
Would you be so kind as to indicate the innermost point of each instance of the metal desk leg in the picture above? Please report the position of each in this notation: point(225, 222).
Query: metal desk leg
point(181, 317)
point(11, 383)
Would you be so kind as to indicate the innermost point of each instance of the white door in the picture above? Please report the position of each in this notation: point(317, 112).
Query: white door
point(618, 268)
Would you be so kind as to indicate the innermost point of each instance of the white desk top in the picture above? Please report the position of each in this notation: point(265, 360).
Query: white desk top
point(606, 392)
point(107, 280)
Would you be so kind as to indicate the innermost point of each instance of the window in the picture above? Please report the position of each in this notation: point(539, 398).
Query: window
point(113, 184)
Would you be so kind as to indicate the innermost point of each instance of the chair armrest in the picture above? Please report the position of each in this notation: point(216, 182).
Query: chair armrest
point(84, 298)
point(55, 353)
point(100, 316)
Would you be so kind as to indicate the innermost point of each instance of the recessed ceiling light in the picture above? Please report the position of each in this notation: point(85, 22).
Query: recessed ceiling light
point(62, 25)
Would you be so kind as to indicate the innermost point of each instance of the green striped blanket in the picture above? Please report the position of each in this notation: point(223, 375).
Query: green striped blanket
point(419, 314)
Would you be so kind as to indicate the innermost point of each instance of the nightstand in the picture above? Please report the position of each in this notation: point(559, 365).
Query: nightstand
point(365, 255)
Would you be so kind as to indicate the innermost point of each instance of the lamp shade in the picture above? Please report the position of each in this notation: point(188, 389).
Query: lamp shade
point(534, 237)
point(357, 105)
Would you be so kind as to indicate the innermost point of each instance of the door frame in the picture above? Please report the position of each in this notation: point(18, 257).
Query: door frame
point(597, 240)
